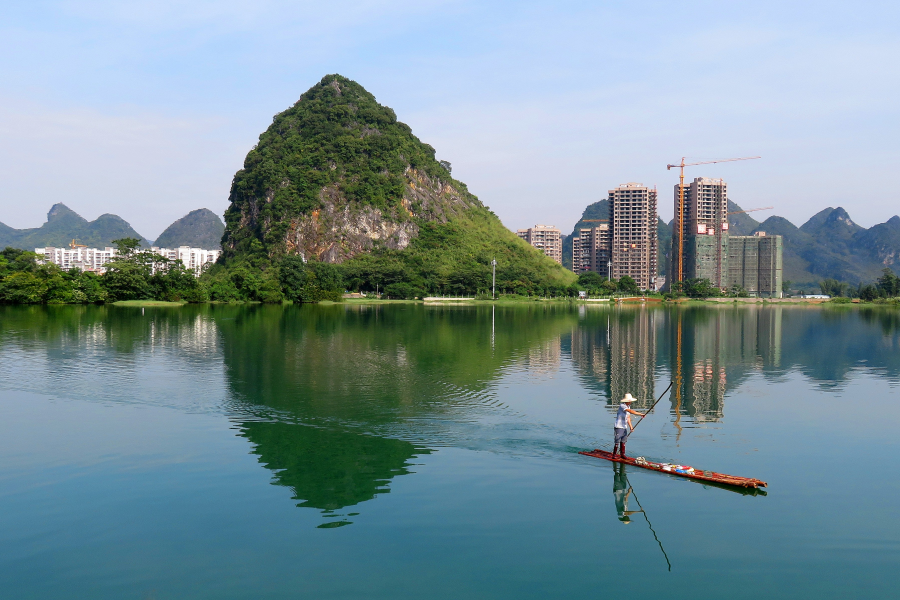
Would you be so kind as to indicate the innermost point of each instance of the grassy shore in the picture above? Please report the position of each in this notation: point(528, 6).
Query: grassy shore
point(143, 303)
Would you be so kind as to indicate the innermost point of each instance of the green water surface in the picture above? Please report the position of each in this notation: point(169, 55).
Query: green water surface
point(410, 451)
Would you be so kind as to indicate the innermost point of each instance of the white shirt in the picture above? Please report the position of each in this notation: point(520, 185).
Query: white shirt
point(622, 417)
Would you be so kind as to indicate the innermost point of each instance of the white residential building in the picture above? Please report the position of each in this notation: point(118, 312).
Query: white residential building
point(94, 259)
point(191, 258)
point(86, 259)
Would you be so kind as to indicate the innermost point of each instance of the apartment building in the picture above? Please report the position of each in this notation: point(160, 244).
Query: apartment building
point(703, 223)
point(710, 252)
point(544, 237)
point(590, 250)
point(633, 222)
point(191, 258)
point(85, 259)
point(96, 260)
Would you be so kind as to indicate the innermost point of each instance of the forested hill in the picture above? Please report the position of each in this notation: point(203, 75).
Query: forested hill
point(831, 245)
point(338, 179)
point(63, 225)
point(201, 228)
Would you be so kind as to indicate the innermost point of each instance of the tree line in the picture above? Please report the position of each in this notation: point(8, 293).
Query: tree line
point(887, 286)
point(138, 274)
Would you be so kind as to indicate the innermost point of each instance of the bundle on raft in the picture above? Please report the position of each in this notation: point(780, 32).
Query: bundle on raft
point(681, 470)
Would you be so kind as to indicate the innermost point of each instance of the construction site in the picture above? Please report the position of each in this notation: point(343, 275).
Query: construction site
point(702, 247)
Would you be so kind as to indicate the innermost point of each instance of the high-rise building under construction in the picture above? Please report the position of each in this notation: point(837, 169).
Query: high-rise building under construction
point(705, 220)
point(753, 263)
point(633, 244)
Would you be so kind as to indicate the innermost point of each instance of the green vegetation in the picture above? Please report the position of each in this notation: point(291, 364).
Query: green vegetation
point(885, 287)
point(128, 278)
point(703, 288)
point(200, 228)
point(336, 135)
point(337, 144)
point(142, 303)
point(455, 259)
point(23, 281)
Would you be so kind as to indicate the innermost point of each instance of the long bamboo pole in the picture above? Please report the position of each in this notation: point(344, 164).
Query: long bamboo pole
point(654, 406)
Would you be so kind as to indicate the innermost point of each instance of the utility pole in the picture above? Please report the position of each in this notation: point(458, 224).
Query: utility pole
point(609, 270)
point(493, 279)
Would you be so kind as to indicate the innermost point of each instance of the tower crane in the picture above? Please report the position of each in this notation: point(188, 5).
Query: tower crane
point(73, 245)
point(680, 215)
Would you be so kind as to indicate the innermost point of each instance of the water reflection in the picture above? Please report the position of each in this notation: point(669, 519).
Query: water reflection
point(710, 349)
point(327, 469)
point(615, 352)
point(622, 491)
point(337, 401)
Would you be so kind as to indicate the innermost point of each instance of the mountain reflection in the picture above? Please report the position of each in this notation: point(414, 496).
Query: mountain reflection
point(326, 395)
point(327, 469)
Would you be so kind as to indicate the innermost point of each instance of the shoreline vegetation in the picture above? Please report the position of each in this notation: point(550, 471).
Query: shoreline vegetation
point(139, 278)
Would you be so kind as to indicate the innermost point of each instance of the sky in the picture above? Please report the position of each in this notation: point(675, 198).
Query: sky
point(147, 109)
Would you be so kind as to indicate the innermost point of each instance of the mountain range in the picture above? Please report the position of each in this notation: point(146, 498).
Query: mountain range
point(828, 245)
point(199, 229)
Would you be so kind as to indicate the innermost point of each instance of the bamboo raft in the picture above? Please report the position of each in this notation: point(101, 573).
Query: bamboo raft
point(696, 474)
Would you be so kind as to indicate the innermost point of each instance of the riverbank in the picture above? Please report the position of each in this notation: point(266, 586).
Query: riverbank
point(145, 303)
point(520, 300)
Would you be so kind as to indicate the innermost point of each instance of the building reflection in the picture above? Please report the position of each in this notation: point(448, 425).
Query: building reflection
point(707, 351)
point(710, 350)
point(616, 353)
point(545, 357)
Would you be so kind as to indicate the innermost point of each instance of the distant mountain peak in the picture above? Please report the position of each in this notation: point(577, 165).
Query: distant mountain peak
point(63, 225)
point(60, 210)
point(839, 215)
point(832, 220)
point(201, 228)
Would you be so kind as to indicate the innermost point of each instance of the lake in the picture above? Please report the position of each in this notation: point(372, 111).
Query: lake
point(412, 451)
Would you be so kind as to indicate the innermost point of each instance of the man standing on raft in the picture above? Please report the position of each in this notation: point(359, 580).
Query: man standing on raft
point(623, 424)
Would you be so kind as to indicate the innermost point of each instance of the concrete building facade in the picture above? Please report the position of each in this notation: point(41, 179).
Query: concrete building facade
point(633, 221)
point(590, 250)
point(192, 258)
point(755, 263)
point(544, 237)
point(704, 226)
point(85, 259)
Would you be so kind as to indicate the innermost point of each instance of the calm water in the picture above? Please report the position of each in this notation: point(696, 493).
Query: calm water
point(431, 452)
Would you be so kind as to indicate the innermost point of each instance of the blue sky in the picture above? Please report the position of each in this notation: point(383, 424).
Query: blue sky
point(146, 109)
